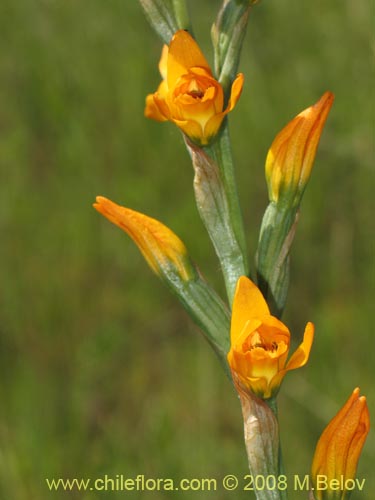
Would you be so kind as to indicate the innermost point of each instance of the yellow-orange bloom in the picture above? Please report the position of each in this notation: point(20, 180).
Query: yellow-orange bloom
point(260, 343)
point(338, 450)
point(290, 159)
point(189, 95)
point(162, 249)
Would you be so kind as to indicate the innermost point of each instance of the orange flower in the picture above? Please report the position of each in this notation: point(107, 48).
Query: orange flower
point(338, 450)
point(189, 95)
point(260, 343)
point(162, 249)
point(290, 159)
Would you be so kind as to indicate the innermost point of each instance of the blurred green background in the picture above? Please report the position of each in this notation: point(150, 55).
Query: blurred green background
point(101, 371)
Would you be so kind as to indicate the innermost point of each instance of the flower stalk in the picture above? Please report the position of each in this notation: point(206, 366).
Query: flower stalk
point(272, 404)
point(261, 433)
point(277, 232)
point(193, 99)
point(227, 34)
point(257, 355)
point(222, 153)
point(218, 206)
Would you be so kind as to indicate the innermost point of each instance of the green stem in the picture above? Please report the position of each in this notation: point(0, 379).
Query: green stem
point(181, 14)
point(272, 403)
point(276, 236)
point(261, 432)
point(234, 264)
point(229, 67)
point(161, 18)
point(209, 313)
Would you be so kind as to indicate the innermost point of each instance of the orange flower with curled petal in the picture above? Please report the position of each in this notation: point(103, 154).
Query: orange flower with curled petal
point(339, 448)
point(163, 250)
point(189, 95)
point(260, 343)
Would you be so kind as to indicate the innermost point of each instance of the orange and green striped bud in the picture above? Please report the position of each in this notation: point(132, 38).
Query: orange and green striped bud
point(291, 157)
point(163, 250)
point(338, 450)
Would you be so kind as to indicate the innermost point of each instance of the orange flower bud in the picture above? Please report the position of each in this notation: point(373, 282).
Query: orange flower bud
point(260, 343)
point(189, 95)
point(162, 249)
point(338, 450)
point(290, 159)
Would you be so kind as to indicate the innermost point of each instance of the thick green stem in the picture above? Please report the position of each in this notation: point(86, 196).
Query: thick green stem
point(227, 34)
point(208, 312)
point(223, 156)
point(262, 442)
point(272, 403)
point(234, 262)
point(276, 236)
point(161, 17)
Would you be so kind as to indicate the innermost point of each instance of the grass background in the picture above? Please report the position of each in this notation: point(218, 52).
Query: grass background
point(101, 372)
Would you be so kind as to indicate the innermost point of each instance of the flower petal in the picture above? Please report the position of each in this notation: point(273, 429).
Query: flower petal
point(248, 328)
point(235, 93)
point(259, 386)
point(359, 437)
point(298, 359)
point(276, 382)
point(164, 62)
point(184, 53)
point(213, 125)
point(192, 129)
point(301, 355)
point(274, 327)
point(153, 109)
point(317, 114)
point(248, 303)
point(156, 107)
